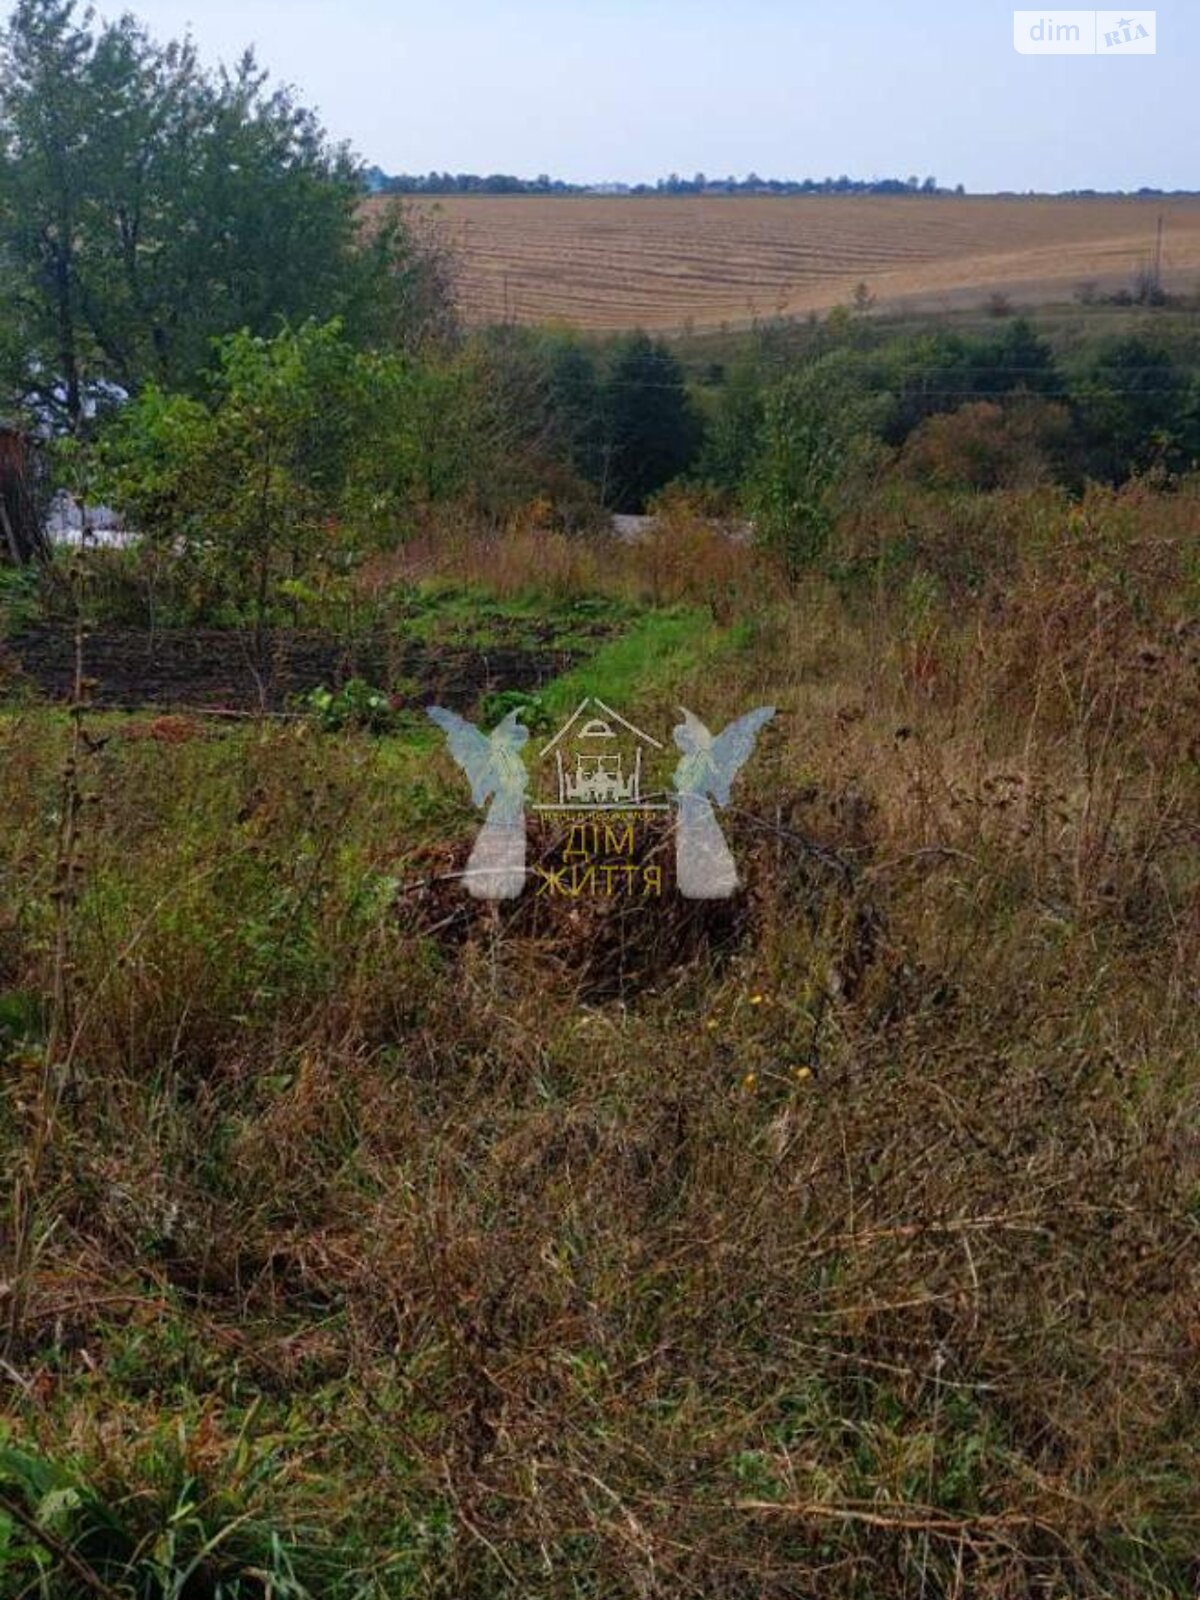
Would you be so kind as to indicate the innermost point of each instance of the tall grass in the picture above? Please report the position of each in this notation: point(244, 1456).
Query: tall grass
point(852, 1255)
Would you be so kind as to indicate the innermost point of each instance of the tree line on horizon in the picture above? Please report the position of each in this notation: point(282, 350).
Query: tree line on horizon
point(380, 182)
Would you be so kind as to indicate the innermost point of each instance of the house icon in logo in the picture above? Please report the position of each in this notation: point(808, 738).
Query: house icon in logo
point(598, 758)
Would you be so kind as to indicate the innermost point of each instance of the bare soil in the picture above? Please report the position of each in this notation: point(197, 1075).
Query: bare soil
point(226, 669)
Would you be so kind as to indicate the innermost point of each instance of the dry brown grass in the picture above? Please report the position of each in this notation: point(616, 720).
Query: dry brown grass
point(663, 264)
point(684, 557)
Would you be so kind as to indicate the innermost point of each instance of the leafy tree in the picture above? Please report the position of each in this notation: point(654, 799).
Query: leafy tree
point(1137, 410)
point(241, 486)
point(436, 431)
point(574, 407)
point(533, 424)
point(937, 372)
point(45, 111)
point(924, 374)
point(734, 430)
point(1019, 359)
point(147, 208)
point(650, 429)
point(818, 430)
point(303, 453)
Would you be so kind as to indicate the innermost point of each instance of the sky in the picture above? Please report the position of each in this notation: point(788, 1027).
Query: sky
point(599, 90)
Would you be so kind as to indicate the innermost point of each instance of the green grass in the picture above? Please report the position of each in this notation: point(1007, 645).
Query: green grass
point(656, 652)
point(1070, 327)
point(440, 611)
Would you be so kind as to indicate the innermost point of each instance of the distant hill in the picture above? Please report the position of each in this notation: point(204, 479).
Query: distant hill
point(665, 262)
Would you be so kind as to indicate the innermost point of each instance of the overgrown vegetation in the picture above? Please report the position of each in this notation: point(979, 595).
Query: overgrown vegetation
point(379, 1246)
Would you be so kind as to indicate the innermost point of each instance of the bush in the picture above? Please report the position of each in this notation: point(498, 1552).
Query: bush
point(306, 453)
point(819, 432)
point(989, 446)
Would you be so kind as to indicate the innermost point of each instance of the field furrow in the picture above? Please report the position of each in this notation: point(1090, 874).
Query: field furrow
point(616, 262)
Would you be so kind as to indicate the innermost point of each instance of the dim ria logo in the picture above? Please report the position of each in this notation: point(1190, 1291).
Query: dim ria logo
point(597, 776)
point(1085, 33)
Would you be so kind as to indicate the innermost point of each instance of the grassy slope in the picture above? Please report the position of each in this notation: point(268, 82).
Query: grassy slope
point(1073, 330)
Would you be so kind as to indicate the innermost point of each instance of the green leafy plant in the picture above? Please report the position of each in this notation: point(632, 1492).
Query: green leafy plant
point(19, 597)
point(60, 1535)
point(355, 705)
point(534, 716)
point(818, 430)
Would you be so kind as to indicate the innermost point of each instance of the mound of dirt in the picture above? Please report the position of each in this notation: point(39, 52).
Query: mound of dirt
point(625, 929)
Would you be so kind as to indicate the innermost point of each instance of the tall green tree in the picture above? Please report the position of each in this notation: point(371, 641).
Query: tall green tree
point(148, 207)
point(735, 428)
point(819, 431)
point(573, 407)
point(1137, 409)
point(651, 433)
point(45, 161)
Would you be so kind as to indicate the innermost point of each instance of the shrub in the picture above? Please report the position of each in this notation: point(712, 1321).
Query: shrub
point(819, 429)
point(988, 446)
